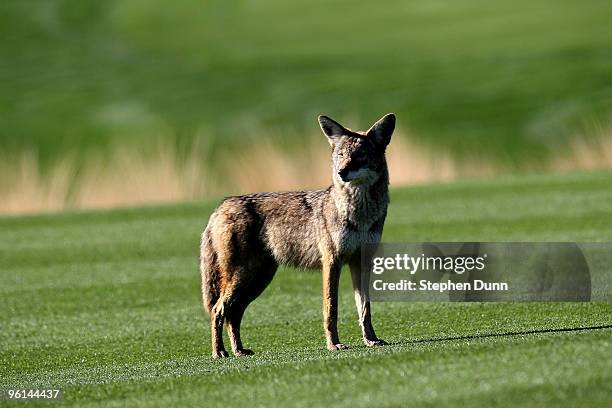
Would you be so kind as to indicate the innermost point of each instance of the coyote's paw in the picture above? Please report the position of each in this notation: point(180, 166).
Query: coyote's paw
point(243, 352)
point(338, 346)
point(375, 342)
point(220, 354)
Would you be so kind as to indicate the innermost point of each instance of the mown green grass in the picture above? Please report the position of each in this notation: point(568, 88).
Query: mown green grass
point(105, 305)
point(512, 80)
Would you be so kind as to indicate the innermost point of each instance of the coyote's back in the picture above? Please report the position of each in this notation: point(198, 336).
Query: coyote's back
point(249, 236)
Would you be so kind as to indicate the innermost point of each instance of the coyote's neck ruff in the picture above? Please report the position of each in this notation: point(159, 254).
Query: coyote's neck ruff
point(361, 211)
point(361, 206)
point(248, 236)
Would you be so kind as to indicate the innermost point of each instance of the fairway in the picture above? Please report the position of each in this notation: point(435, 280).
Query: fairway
point(105, 305)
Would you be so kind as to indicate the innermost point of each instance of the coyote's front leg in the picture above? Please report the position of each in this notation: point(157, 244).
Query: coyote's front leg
point(331, 277)
point(361, 286)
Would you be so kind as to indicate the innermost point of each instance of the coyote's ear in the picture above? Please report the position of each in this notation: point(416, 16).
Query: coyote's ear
point(382, 130)
point(331, 128)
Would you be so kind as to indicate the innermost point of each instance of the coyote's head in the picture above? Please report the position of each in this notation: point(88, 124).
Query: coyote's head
point(358, 157)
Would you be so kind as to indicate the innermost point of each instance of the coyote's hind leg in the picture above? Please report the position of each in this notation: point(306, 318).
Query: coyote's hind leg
point(247, 289)
point(217, 316)
point(234, 318)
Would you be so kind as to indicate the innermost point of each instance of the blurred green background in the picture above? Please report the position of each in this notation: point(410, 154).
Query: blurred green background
point(106, 103)
point(512, 82)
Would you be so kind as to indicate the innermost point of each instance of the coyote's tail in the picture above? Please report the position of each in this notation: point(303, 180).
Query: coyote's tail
point(208, 270)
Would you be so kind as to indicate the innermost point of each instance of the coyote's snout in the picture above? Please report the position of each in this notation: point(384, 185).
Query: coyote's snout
point(248, 236)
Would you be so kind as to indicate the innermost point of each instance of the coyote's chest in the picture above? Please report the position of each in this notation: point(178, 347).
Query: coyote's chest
point(362, 217)
point(349, 241)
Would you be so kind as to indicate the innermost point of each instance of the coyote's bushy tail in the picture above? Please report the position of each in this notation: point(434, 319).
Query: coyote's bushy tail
point(208, 270)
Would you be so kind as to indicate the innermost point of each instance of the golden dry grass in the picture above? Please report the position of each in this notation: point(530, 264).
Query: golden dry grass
point(131, 177)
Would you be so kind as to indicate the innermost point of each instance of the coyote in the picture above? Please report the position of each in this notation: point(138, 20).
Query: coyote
point(249, 236)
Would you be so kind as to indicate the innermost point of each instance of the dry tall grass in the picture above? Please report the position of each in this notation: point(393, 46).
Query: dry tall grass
point(131, 177)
